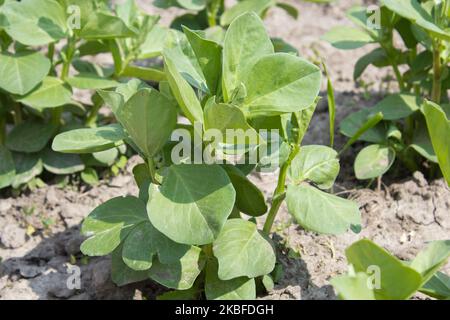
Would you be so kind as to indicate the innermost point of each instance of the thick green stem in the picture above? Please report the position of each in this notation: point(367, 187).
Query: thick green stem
point(437, 84)
point(213, 11)
point(280, 191)
point(56, 116)
point(70, 52)
point(152, 170)
point(391, 54)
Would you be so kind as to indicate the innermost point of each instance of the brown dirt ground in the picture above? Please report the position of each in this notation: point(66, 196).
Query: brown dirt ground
point(39, 231)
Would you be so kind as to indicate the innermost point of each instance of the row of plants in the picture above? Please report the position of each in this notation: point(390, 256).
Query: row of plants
point(203, 230)
point(410, 128)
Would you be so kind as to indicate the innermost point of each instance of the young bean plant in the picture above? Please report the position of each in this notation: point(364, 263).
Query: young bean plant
point(396, 127)
point(201, 226)
point(47, 49)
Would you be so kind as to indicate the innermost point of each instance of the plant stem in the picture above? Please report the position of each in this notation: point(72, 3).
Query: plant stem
point(56, 116)
point(152, 170)
point(212, 12)
point(17, 113)
point(51, 51)
point(92, 118)
point(70, 51)
point(437, 85)
point(280, 192)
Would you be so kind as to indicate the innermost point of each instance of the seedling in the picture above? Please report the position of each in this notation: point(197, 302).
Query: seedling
point(377, 275)
point(396, 127)
point(192, 228)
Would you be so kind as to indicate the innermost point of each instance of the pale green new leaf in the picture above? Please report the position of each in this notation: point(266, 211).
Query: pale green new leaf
point(102, 25)
point(398, 281)
point(374, 161)
point(192, 204)
point(242, 250)
point(354, 287)
point(245, 42)
point(89, 140)
point(23, 71)
point(431, 259)
point(110, 223)
point(321, 212)
point(295, 87)
point(319, 164)
point(183, 92)
point(91, 82)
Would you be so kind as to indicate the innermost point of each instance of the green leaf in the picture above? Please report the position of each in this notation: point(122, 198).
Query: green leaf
point(90, 177)
point(23, 71)
point(60, 163)
point(438, 286)
point(88, 140)
point(91, 82)
point(106, 158)
point(121, 274)
point(192, 204)
point(181, 274)
point(183, 92)
point(149, 118)
point(139, 247)
point(398, 281)
point(154, 43)
point(35, 23)
point(256, 6)
point(295, 88)
point(439, 128)
point(422, 143)
point(431, 259)
point(51, 93)
point(245, 42)
point(28, 166)
point(241, 288)
point(30, 136)
point(249, 199)
point(347, 38)
point(353, 287)
point(209, 57)
point(321, 212)
point(315, 163)
point(374, 161)
point(110, 223)
point(7, 168)
point(413, 11)
point(102, 25)
point(397, 106)
point(185, 295)
point(376, 57)
point(242, 250)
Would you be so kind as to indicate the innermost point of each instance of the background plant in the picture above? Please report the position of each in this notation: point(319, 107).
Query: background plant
point(192, 228)
point(46, 51)
point(396, 126)
point(397, 280)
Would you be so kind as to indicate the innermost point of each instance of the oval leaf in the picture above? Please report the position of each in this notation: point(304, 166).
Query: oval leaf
point(373, 161)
